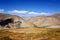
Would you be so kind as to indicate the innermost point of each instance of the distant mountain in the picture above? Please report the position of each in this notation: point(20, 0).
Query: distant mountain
point(57, 15)
point(52, 21)
point(17, 21)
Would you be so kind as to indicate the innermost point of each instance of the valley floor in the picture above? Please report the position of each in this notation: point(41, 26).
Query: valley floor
point(30, 34)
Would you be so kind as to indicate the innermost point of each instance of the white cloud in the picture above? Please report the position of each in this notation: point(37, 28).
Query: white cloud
point(1, 10)
point(32, 13)
point(22, 12)
point(17, 11)
point(27, 12)
point(39, 13)
point(44, 13)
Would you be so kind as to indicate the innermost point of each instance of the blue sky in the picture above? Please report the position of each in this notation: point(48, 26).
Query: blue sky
point(30, 7)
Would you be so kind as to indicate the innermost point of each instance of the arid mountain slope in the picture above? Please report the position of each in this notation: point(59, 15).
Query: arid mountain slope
point(52, 21)
point(17, 21)
point(57, 16)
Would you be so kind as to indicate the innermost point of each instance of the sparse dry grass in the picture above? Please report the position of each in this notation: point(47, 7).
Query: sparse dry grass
point(45, 34)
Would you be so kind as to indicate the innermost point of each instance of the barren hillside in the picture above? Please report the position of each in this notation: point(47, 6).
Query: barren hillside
point(52, 21)
point(17, 21)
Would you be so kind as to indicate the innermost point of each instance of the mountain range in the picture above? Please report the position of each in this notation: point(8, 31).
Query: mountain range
point(52, 21)
point(17, 21)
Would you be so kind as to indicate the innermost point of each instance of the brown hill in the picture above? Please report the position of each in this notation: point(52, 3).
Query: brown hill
point(17, 21)
point(52, 21)
point(57, 16)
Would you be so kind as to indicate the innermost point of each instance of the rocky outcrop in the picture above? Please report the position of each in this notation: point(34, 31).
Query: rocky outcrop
point(16, 23)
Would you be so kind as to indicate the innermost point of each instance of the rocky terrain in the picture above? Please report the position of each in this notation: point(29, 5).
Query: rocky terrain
point(52, 21)
point(13, 27)
point(17, 21)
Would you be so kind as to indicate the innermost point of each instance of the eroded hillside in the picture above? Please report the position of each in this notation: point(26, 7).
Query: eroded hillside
point(52, 21)
point(16, 23)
